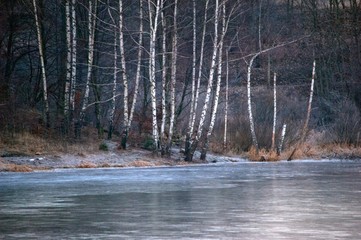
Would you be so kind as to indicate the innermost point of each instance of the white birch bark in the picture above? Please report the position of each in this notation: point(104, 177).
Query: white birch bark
point(115, 80)
point(194, 62)
point(164, 76)
point(309, 108)
point(153, 34)
point(137, 75)
point(249, 102)
point(173, 76)
point(283, 134)
point(68, 60)
point(42, 64)
point(91, 32)
point(211, 75)
point(226, 107)
point(274, 111)
point(218, 84)
point(200, 68)
point(73, 56)
point(123, 70)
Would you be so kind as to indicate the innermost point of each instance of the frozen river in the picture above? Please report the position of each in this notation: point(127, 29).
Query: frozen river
point(284, 200)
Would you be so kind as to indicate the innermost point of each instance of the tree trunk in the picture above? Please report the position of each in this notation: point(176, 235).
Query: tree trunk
point(309, 108)
point(137, 75)
point(73, 61)
point(210, 83)
point(194, 62)
point(90, 60)
point(249, 101)
point(192, 118)
point(164, 82)
point(279, 149)
point(115, 80)
point(274, 112)
point(173, 79)
point(67, 120)
point(218, 85)
point(124, 74)
point(226, 107)
point(153, 34)
point(42, 65)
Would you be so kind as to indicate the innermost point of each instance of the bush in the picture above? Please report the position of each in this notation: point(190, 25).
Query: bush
point(148, 144)
point(103, 147)
point(346, 128)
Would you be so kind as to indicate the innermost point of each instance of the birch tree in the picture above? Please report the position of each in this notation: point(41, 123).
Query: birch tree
point(173, 77)
point(226, 107)
point(154, 9)
point(137, 75)
point(195, 86)
point(218, 84)
point(124, 73)
point(68, 65)
point(194, 144)
point(309, 108)
point(70, 81)
point(164, 80)
point(274, 111)
point(115, 81)
point(90, 59)
point(42, 64)
point(249, 70)
point(73, 58)
point(283, 134)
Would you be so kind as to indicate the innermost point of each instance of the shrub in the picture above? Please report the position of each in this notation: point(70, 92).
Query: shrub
point(346, 128)
point(103, 147)
point(148, 144)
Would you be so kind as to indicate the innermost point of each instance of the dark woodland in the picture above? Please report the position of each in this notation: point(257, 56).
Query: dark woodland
point(68, 73)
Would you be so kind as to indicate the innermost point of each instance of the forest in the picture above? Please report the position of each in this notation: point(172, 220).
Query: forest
point(227, 76)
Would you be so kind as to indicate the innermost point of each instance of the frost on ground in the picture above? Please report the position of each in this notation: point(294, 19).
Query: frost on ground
point(112, 158)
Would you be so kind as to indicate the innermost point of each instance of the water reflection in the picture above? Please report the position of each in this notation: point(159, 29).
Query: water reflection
point(297, 200)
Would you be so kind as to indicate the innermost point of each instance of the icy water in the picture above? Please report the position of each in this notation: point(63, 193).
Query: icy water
point(284, 200)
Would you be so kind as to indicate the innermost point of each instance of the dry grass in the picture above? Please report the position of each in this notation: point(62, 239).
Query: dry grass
point(85, 164)
point(15, 168)
point(140, 163)
point(262, 155)
point(31, 144)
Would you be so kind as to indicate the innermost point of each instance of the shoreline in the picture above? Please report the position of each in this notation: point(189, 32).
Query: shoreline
point(131, 158)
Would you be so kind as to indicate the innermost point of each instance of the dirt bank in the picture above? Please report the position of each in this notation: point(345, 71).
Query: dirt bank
point(136, 157)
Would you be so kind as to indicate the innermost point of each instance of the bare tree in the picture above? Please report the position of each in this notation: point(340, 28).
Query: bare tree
point(137, 75)
point(73, 58)
point(164, 80)
point(68, 64)
point(91, 35)
point(115, 80)
point(226, 102)
point(206, 104)
point(218, 85)
point(274, 111)
point(124, 72)
point(173, 77)
point(309, 108)
point(195, 95)
point(154, 9)
point(283, 134)
point(42, 64)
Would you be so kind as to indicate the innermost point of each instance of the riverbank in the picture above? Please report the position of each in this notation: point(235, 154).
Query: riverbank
point(28, 154)
point(15, 161)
